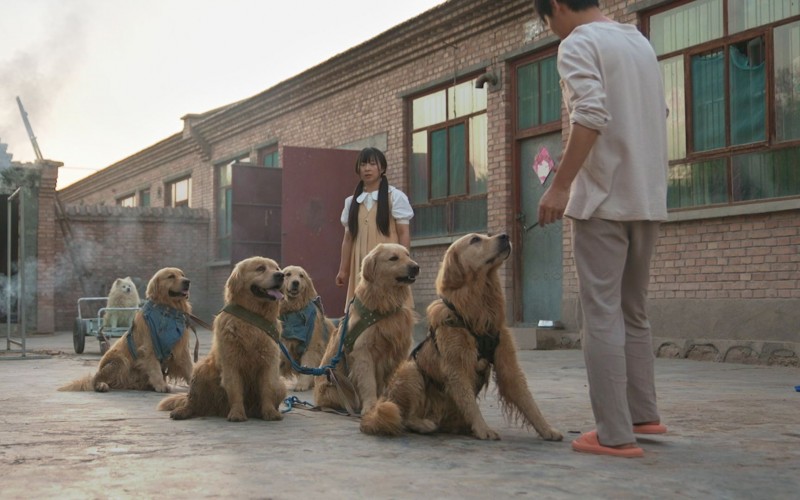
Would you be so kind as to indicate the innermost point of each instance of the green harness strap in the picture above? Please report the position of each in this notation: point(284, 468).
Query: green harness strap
point(366, 319)
point(486, 344)
point(254, 319)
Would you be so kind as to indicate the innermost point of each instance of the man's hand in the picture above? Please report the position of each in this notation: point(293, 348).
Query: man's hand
point(552, 205)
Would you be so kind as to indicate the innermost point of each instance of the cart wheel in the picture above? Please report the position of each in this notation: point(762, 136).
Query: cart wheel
point(78, 336)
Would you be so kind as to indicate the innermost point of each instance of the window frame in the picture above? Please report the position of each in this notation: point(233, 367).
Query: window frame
point(449, 203)
point(129, 198)
point(144, 194)
point(267, 151)
point(729, 152)
point(170, 188)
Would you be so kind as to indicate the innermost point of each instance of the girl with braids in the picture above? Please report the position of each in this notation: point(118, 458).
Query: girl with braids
point(381, 214)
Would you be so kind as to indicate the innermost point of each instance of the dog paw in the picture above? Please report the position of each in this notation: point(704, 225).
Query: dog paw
point(422, 426)
point(179, 414)
point(487, 434)
point(101, 387)
point(237, 416)
point(271, 416)
point(303, 386)
point(551, 434)
point(161, 388)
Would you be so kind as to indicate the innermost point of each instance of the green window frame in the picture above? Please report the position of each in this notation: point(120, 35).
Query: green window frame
point(538, 94)
point(268, 157)
point(224, 209)
point(448, 168)
point(733, 88)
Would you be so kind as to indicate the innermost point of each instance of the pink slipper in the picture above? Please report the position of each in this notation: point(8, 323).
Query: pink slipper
point(588, 443)
point(650, 428)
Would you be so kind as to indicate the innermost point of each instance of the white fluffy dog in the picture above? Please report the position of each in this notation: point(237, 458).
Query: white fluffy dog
point(123, 294)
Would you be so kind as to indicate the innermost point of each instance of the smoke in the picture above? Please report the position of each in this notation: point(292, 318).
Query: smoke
point(37, 67)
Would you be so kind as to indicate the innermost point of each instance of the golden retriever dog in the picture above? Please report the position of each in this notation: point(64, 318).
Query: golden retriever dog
point(155, 348)
point(305, 328)
point(123, 295)
point(381, 313)
point(240, 377)
point(436, 389)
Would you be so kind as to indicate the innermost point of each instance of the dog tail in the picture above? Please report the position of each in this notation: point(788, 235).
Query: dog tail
point(171, 402)
point(383, 419)
point(82, 384)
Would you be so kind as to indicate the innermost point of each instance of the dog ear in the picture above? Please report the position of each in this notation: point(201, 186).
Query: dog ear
point(152, 287)
point(452, 273)
point(234, 283)
point(369, 267)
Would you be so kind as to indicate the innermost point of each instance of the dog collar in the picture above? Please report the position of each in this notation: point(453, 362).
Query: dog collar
point(271, 329)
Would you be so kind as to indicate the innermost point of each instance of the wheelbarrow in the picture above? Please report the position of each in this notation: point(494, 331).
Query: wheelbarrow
point(88, 325)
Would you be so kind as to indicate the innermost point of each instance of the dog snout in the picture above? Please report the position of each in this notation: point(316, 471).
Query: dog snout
point(503, 237)
point(413, 270)
point(185, 282)
point(294, 285)
point(278, 277)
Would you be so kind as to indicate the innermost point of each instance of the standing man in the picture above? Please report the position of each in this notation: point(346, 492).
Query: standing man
point(612, 183)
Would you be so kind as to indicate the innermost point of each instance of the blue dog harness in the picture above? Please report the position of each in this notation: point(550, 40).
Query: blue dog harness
point(299, 325)
point(166, 328)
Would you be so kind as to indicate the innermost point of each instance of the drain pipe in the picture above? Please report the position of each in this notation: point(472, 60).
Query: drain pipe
point(20, 274)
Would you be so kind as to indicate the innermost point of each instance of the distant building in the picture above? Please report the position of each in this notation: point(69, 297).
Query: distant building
point(5, 156)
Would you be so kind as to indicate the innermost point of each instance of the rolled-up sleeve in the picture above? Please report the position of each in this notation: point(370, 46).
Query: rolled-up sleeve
point(401, 207)
point(582, 83)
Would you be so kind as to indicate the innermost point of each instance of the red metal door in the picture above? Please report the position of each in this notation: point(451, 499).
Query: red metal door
point(255, 212)
point(315, 184)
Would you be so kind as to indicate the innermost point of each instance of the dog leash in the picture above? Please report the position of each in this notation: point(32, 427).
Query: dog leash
point(196, 338)
point(294, 402)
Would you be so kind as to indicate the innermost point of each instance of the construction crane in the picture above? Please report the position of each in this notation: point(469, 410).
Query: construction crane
point(30, 130)
point(61, 215)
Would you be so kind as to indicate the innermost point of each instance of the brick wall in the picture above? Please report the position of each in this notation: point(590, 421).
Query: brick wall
point(115, 242)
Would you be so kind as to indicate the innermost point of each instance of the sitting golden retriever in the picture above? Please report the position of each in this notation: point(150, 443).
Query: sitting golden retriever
point(155, 348)
point(240, 376)
point(437, 387)
point(305, 328)
point(377, 332)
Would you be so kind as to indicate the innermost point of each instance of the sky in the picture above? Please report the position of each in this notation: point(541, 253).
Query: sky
point(104, 79)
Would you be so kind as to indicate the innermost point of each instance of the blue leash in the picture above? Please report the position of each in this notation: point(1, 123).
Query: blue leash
point(306, 370)
point(294, 400)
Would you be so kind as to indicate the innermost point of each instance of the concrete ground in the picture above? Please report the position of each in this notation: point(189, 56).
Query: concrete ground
point(734, 432)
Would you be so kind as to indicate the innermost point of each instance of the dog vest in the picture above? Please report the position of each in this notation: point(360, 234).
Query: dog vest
point(166, 325)
point(299, 325)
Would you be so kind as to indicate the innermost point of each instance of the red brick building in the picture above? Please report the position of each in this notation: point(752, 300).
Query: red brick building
point(465, 101)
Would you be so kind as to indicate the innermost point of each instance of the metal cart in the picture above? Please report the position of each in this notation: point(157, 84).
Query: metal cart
point(88, 325)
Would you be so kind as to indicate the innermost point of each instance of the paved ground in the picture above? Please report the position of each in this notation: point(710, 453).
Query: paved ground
point(734, 433)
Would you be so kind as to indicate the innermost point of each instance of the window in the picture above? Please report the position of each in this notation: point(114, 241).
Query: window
point(144, 198)
point(225, 206)
point(268, 157)
point(224, 212)
point(179, 192)
point(449, 162)
point(538, 94)
point(127, 201)
point(731, 72)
